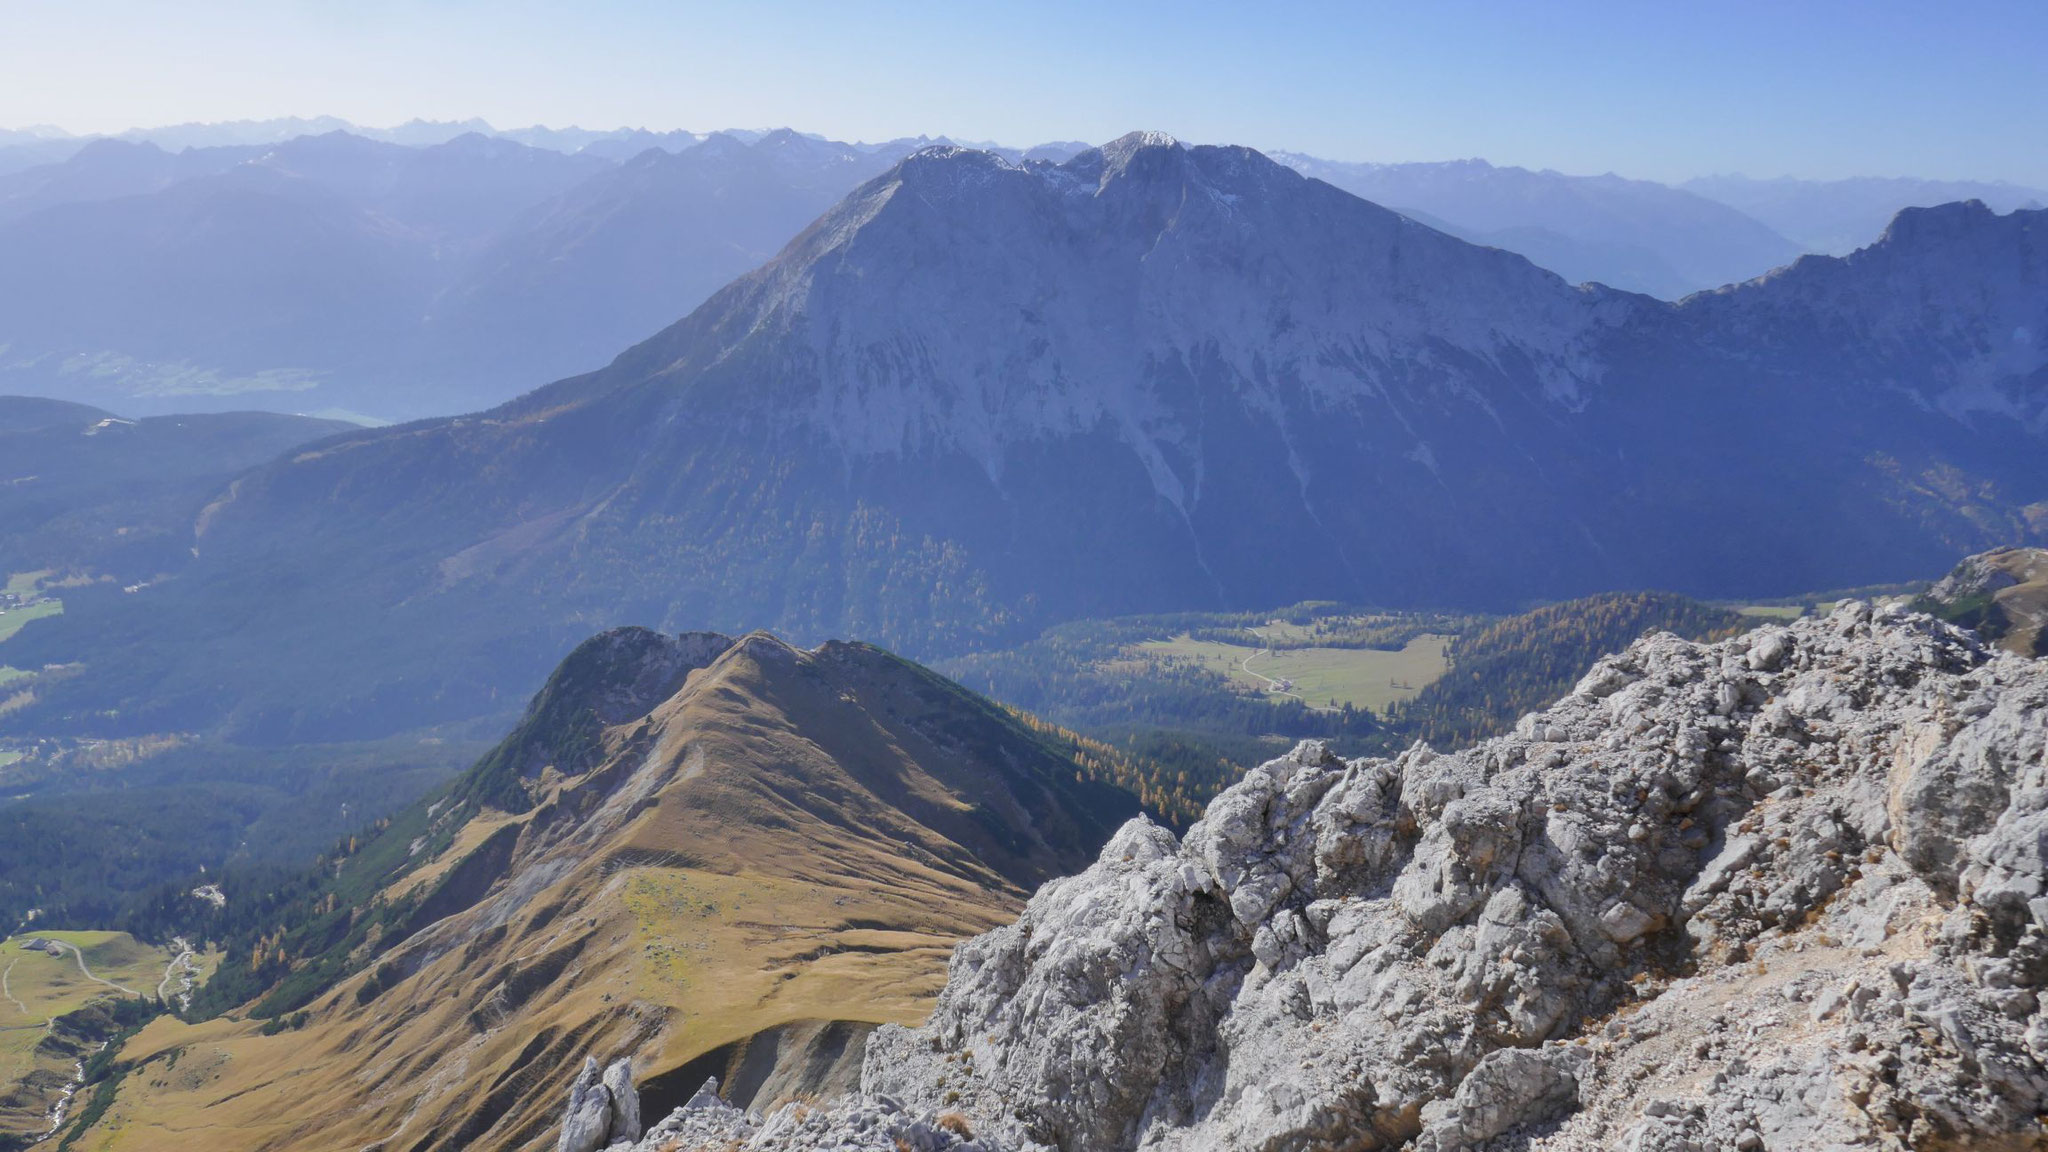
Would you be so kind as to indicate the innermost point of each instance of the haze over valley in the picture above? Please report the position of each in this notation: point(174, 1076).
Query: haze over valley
point(972, 621)
point(428, 269)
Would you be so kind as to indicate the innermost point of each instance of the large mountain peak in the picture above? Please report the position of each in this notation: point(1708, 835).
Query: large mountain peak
point(1263, 389)
point(1916, 224)
point(1119, 271)
point(1156, 165)
point(1137, 153)
point(947, 169)
point(1949, 306)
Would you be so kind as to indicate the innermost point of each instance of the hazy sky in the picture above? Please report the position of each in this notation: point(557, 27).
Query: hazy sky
point(1661, 89)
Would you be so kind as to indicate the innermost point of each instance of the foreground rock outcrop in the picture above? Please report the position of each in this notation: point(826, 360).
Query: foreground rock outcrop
point(1780, 892)
point(604, 1108)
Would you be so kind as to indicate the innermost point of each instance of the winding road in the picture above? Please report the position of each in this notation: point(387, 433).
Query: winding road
point(183, 967)
point(1272, 685)
point(8, 992)
point(62, 1108)
point(88, 973)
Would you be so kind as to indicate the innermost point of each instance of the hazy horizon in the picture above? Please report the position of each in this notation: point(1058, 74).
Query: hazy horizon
point(60, 132)
point(1581, 88)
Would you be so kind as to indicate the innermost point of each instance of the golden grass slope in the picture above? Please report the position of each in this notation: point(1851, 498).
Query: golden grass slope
point(2002, 593)
point(788, 839)
point(2025, 602)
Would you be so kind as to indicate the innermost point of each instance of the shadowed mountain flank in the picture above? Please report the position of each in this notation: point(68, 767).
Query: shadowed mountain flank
point(978, 396)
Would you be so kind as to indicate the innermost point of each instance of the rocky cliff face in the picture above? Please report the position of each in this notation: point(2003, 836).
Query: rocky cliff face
point(1780, 892)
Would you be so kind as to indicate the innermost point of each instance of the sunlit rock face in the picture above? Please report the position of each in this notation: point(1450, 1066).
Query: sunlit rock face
point(1784, 891)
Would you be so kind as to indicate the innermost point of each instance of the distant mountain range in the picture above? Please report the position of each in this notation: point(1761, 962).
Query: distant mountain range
point(1839, 216)
point(622, 254)
point(977, 397)
point(310, 265)
point(339, 274)
point(1630, 234)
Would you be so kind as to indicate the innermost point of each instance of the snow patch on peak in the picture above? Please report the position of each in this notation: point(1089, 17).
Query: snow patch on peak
point(941, 155)
point(950, 170)
point(1142, 153)
point(1131, 141)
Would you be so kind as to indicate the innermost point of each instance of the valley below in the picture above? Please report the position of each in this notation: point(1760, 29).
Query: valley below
point(1366, 678)
point(65, 996)
point(744, 641)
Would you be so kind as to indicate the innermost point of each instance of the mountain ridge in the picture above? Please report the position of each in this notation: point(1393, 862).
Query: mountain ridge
point(718, 852)
point(882, 430)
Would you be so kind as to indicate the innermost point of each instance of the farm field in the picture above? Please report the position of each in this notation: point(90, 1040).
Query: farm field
point(13, 620)
point(1368, 678)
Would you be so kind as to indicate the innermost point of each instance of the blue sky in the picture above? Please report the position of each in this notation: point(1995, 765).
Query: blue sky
point(1652, 88)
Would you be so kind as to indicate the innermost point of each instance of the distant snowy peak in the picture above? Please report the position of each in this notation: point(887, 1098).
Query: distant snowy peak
point(1132, 142)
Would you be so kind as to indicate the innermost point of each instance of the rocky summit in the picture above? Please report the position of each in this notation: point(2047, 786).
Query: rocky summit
point(1781, 892)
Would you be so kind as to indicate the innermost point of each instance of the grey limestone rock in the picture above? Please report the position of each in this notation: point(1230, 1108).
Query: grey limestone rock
point(1788, 891)
point(1551, 939)
point(881, 1124)
point(624, 1100)
point(604, 1108)
point(587, 1121)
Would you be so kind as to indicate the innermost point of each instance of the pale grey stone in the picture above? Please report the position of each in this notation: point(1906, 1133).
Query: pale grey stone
point(586, 1122)
point(625, 1101)
point(1471, 951)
